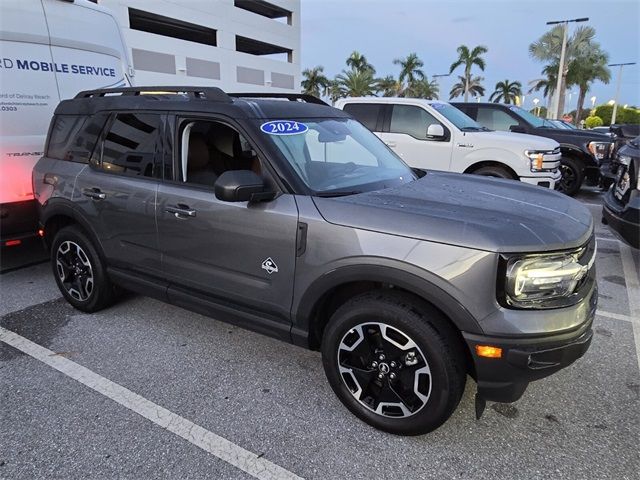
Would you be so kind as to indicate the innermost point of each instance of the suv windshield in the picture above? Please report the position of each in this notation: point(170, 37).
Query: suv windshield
point(531, 118)
point(337, 156)
point(457, 117)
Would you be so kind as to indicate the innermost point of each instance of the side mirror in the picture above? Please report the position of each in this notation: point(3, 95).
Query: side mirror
point(435, 130)
point(516, 129)
point(241, 186)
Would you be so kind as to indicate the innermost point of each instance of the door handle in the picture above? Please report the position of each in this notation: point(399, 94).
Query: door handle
point(391, 144)
point(94, 193)
point(180, 211)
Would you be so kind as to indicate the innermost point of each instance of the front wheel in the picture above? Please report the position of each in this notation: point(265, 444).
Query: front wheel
point(394, 362)
point(494, 171)
point(572, 176)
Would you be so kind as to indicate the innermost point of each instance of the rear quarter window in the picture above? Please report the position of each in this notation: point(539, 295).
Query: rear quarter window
point(365, 113)
point(74, 137)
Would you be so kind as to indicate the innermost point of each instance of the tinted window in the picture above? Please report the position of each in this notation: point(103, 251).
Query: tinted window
point(365, 113)
point(73, 137)
point(130, 146)
point(495, 119)
point(411, 120)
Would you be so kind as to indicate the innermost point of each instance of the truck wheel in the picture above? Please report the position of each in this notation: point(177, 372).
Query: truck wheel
point(493, 171)
point(79, 271)
point(394, 362)
point(572, 176)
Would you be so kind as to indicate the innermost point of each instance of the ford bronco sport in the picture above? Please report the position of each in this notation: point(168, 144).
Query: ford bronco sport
point(281, 214)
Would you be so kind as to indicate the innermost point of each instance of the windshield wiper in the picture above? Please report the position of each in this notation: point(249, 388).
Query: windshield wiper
point(337, 193)
point(472, 129)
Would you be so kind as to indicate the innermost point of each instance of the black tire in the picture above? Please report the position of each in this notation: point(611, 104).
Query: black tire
point(74, 259)
point(494, 171)
point(572, 176)
point(437, 348)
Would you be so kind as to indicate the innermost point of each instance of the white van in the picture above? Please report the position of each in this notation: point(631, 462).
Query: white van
point(49, 51)
point(435, 135)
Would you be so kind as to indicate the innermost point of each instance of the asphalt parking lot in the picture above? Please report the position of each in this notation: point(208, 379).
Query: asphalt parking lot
point(148, 390)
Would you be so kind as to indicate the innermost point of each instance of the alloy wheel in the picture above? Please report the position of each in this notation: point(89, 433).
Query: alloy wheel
point(384, 370)
point(74, 270)
point(568, 179)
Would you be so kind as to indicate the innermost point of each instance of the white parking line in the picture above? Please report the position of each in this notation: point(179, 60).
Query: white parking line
point(209, 442)
point(605, 239)
point(633, 291)
point(617, 316)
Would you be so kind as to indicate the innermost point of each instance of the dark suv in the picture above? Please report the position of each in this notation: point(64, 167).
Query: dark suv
point(582, 150)
point(287, 216)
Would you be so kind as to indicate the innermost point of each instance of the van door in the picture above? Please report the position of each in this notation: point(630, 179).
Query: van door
point(87, 48)
point(28, 96)
point(117, 191)
point(407, 136)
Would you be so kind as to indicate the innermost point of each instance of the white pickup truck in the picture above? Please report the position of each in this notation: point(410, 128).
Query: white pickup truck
point(435, 135)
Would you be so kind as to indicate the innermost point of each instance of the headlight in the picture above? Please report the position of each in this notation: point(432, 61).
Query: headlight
point(547, 280)
point(599, 149)
point(536, 160)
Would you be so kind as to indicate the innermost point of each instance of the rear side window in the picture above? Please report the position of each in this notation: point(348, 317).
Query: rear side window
point(131, 144)
point(495, 119)
point(73, 137)
point(411, 120)
point(365, 113)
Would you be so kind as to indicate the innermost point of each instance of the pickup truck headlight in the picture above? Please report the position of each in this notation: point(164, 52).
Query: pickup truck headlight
point(546, 280)
point(537, 160)
point(599, 150)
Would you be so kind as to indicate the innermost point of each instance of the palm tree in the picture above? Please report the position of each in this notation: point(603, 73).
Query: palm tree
point(548, 83)
point(315, 82)
point(410, 69)
point(590, 66)
point(469, 58)
point(423, 89)
point(359, 62)
point(471, 87)
point(334, 91)
point(506, 92)
point(354, 83)
point(548, 48)
point(388, 86)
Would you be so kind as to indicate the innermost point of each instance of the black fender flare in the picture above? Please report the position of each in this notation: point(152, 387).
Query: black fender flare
point(572, 150)
point(303, 317)
point(64, 207)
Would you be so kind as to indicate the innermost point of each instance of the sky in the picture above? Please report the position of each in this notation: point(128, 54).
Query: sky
point(386, 29)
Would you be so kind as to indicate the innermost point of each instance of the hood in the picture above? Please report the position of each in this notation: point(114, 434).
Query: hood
point(522, 140)
point(585, 136)
point(469, 211)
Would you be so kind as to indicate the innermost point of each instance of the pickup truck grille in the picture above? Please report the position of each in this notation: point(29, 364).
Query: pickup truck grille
point(551, 159)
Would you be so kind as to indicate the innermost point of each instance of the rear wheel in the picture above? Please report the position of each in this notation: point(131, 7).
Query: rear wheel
point(394, 362)
point(572, 176)
point(494, 171)
point(79, 271)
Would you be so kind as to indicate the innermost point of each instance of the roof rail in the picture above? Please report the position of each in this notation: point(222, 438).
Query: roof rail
point(208, 93)
point(294, 97)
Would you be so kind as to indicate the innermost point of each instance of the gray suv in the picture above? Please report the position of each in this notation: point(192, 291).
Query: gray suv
point(283, 215)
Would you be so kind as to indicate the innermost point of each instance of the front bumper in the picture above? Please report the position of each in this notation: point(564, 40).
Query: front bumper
point(545, 179)
point(526, 359)
point(624, 219)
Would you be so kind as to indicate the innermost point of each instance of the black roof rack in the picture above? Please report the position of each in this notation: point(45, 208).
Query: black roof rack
point(294, 97)
point(208, 93)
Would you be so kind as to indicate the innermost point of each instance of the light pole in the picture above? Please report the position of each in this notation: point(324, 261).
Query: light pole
point(593, 102)
point(535, 103)
point(615, 100)
point(559, 93)
point(438, 76)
